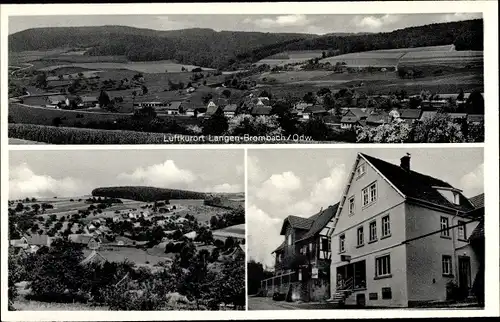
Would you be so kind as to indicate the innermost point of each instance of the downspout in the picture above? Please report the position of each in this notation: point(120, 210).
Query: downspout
point(455, 257)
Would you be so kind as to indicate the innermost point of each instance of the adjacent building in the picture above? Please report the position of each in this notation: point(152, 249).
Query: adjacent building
point(302, 261)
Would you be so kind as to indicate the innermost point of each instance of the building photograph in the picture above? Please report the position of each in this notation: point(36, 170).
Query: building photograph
point(355, 228)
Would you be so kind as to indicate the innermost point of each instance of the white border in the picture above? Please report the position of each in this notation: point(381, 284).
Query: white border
point(489, 10)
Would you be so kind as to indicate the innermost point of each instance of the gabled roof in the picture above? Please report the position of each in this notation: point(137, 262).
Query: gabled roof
point(315, 109)
point(349, 119)
point(211, 110)
point(410, 113)
point(261, 110)
point(57, 98)
point(230, 108)
point(320, 220)
point(475, 118)
point(416, 185)
point(378, 118)
point(427, 115)
point(280, 247)
point(174, 105)
point(358, 112)
point(477, 201)
point(79, 238)
point(42, 240)
point(297, 223)
point(313, 224)
point(89, 99)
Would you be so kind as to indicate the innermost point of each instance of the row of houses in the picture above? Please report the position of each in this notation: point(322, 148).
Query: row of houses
point(252, 105)
point(69, 101)
point(352, 117)
point(397, 238)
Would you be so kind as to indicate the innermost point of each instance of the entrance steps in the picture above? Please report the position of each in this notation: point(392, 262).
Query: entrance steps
point(339, 297)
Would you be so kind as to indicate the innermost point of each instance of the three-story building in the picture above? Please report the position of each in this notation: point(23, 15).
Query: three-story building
point(400, 237)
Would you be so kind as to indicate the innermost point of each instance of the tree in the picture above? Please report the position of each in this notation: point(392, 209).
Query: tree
point(41, 80)
point(475, 103)
point(186, 254)
point(214, 222)
point(438, 129)
point(461, 95)
point(309, 98)
point(226, 93)
point(265, 93)
point(229, 243)
point(104, 99)
point(315, 128)
point(144, 89)
point(19, 207)
point(57, 274)
point(217, 124)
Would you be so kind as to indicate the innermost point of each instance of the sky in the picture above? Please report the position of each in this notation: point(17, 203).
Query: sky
point(295, 23)
point(301, 181)
point(77, 173)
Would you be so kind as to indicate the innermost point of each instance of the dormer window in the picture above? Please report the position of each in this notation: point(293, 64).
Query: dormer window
point(451, 194)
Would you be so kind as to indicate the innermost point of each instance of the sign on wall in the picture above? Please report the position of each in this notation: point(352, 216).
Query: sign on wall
point(314, 272)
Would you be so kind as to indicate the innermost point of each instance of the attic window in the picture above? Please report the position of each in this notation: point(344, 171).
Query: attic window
point(361, 170)
point(451, 194)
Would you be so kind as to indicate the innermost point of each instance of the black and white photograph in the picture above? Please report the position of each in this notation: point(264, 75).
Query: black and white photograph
point(128, 230)
point(366, 228)
point(239, 78)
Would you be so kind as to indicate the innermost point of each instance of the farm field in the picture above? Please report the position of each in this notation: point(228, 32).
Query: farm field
point(144, 67)
point(290, 57)
point(30, 305)
point(202, 213)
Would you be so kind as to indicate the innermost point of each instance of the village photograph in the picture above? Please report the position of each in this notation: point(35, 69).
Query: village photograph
point(291, 78)
point(366, 228)
point(127, 230)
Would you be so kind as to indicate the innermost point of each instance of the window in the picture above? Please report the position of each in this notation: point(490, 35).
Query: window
point(341, 243)
point(386, 293)
point(369, 194)
point(446, 261)
point(289, 242)
point(310, 247)
point(373, 231)
point(386, 226)
point(325, 245)
point(361, 237)
point(462, 233)
point(351, 206)
point(383, 266)
point(445, 232)
point(360, 170)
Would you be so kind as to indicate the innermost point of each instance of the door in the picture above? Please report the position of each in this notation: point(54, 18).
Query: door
point(464, 274)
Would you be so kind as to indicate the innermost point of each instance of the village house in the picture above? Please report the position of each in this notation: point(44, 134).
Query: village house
point(89, 101)
point(213, 109)
point(302, 261)
point(55, 101)
point(173, 108)
point(377, 118)
point(400, 237)
point(31, 243)
point(475, 119)
point(313, 111)
point(261, 110)
point(153, 104)
point(230, 110)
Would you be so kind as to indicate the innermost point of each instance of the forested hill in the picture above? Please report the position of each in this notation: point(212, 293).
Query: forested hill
point(147, 194)
point(226, 49)
point(465, 35)
point(202, 47)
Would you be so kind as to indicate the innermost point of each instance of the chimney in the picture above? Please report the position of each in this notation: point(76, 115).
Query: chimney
point(405, 162)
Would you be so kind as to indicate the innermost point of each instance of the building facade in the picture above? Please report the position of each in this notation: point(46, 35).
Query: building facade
point(302, 261)
point(400, 238)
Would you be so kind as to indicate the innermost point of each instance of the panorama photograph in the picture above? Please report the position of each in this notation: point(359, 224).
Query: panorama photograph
point(126, 230)
point(366, 229)
point(291, 78)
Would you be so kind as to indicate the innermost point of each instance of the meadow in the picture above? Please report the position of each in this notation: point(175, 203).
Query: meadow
point(161, 66)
